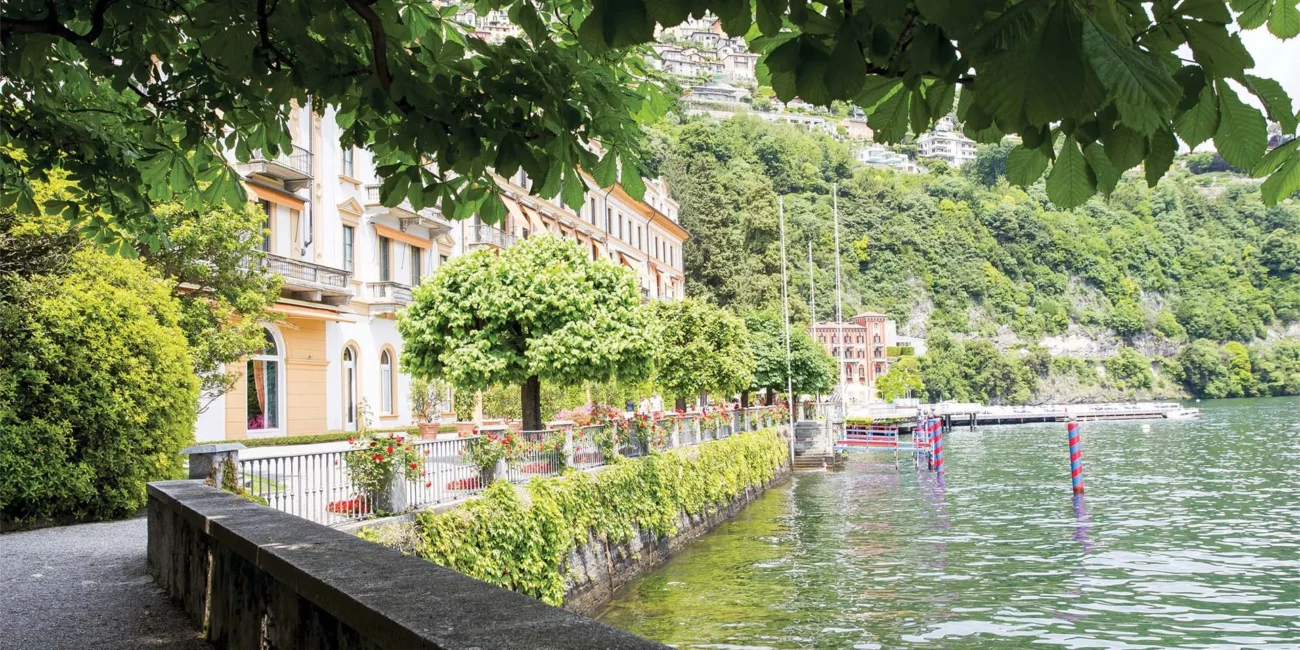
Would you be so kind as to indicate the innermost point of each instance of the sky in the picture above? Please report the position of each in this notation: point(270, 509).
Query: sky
point(1275, 59)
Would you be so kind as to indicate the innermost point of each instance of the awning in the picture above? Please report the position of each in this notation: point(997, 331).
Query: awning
point(403, 237)
point(629, 264)
point(535, 223)
point(600, 249)
point(517, 218)
point(310, 313)
point(275, 195)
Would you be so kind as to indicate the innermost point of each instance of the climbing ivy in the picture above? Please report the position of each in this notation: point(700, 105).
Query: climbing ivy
point(525, 547)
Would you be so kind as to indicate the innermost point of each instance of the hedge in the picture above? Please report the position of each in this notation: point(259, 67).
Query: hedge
point(900, 351)
point(333, 436)
point(98, 394)
point(499, 539)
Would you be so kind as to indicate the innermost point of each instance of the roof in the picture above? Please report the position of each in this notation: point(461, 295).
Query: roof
point(870, 314)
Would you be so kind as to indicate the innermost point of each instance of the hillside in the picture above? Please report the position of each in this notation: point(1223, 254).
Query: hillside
point(1198, 257)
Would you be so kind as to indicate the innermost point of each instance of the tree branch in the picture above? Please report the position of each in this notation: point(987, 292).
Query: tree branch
point(51, 24)
point(378, 41)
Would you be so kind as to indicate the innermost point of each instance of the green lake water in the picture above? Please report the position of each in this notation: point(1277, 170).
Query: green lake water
point(1188, 537)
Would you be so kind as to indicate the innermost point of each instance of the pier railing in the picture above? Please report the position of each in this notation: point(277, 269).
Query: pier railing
point(317, 486)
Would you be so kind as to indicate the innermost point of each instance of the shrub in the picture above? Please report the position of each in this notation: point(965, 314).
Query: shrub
point(98, 396)
point(1129, 369)
point(525, 547)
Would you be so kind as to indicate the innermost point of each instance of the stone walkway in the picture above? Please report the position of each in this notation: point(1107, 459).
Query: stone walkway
point(86, 586)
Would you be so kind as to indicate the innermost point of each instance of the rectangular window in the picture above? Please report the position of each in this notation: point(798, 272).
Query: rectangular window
point(262, 386)
point(295, 232)
point(266, 227)
point(640, 241)
point(620, 226)
point(417, 261)
point(349, 248)
point(442, 259)
point(384, 249)
point(608, 220)
point(349, 169)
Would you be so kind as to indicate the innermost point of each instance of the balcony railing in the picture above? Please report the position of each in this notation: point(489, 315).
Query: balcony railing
point(290, 166)
point(395, 294)
point(406, 213)
point(485, 235)
point(305, 275)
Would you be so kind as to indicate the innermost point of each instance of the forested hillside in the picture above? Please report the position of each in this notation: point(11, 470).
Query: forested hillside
point(964, 252)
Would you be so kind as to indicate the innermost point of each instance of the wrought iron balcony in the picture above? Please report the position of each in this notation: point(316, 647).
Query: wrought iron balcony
point(485, 235)
point(387, 296)
point(305, 277)
point(406, 214)
point(292, 167)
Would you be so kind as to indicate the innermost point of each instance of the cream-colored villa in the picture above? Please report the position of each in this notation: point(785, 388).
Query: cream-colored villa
point(349, 265)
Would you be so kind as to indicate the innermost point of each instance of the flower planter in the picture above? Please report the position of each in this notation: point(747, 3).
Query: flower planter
point(429, 430)
point(465, 429)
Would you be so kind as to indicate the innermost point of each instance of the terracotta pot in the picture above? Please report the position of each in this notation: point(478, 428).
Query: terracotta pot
point(429, 430)
point(465, 429)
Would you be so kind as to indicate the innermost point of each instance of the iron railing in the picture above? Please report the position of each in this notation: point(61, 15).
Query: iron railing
point(486, 235)
point(317, 486)
point(297, 272)
point(297, 159)
point(390, 292)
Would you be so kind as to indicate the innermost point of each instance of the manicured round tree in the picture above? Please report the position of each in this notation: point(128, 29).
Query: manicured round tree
point(98, 394)
point(700, 348)
point(542, 310)
point(811, 369)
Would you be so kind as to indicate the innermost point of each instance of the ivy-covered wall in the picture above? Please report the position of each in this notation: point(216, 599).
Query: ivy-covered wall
point(527, 547)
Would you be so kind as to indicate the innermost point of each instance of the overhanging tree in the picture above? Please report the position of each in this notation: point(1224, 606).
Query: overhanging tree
point(700, 348)
point(811, 368)
point(540, 311)
point(137, 98)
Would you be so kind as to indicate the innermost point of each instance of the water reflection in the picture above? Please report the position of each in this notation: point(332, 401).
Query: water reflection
point(1189, 537)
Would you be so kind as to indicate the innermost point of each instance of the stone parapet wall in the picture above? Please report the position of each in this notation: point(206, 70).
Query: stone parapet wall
point(254, 577)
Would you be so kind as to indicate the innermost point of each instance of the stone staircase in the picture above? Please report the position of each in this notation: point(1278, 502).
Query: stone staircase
point(810, 450)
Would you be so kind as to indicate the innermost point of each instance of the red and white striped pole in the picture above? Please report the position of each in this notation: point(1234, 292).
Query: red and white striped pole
point(1076, 457)
point(937, 431)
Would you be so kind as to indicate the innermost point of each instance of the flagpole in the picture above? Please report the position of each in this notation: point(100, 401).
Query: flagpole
point(839, 299)
point(812, 290)
point(785, 313)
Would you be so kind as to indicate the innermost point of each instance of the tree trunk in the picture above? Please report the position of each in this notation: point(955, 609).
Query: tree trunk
point(530, 396)
point(680, 403)
point(744, 399)
point(771, 396)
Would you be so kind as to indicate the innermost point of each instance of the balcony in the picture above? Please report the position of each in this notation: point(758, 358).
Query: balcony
point(490, 236)
point(387, 296)
point(406, 214)
point(293, 168)
point(312, 282)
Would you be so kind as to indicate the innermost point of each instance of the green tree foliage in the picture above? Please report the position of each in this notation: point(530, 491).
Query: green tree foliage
point(990, 163)
point(700, 348)
point(974, 371)
point(904, 376)
point(977, 257)
point(540, 311)
point(98, 394)
point(1203, 371)
point(811, 369)
point(138, 102)
point(213, 259)
point(1129, 369)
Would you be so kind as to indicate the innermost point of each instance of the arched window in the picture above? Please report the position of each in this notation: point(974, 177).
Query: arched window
point(264, 379)
point(385, 383)
point(349, 389)
point(860, 339)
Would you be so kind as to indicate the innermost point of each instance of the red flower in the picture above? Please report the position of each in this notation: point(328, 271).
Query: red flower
point(377, 458)
point(413, 465)
point(350, 441)
point(390, 449)
point(373, 443)
point(426, 452)
point(336, 463)
point(428, 484)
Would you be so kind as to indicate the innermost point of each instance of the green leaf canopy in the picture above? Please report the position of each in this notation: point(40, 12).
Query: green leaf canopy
point(700, 348)
point(542, 309)
point(811, 368)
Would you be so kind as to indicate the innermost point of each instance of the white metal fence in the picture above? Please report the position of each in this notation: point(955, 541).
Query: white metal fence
point(317, 487)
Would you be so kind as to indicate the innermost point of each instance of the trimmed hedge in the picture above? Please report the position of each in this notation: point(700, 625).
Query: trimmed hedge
point(880, 421)
point(500, 540)
point(98, 394)
point(900, 351)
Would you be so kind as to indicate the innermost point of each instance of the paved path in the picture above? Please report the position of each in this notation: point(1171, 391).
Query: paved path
point(86, 586)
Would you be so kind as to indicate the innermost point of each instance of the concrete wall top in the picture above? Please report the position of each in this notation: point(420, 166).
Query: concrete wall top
point(391, 600)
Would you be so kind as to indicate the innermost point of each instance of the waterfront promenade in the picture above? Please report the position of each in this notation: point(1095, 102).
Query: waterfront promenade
point(85, 586)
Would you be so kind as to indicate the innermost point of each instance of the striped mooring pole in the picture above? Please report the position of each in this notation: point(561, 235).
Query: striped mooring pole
point(1076, 457)
point(937, 430)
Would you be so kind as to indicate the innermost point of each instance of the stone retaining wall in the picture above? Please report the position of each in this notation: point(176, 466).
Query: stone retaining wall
point(598, 569)
point(254, 577)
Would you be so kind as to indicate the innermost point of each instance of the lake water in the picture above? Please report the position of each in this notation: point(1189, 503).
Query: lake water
point(1188, 537)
